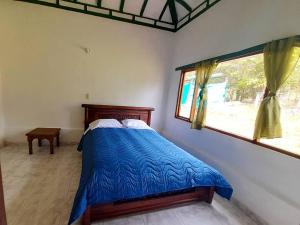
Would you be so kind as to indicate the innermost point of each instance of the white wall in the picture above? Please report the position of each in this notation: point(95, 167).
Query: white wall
point(1, 113)
point(265, 181)
point(47, 74)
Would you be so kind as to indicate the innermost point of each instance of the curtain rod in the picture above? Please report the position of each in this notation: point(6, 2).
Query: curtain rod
point(246, 52)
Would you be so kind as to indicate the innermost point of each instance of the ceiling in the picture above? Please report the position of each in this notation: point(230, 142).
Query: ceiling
point(170, 15)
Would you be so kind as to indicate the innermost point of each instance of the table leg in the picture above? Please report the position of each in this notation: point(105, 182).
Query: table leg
point(30, 145)
point(51, 146)
point(40, 142)
point(57, 141)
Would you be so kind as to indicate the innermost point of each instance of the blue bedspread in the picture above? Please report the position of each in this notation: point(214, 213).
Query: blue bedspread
point(120, 164)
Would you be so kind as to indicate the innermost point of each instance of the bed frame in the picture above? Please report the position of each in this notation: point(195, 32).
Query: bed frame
point(105, 211)
point(94, 112)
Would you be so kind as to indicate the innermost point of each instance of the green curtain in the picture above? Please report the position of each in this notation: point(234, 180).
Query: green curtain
point(203, 72)
point(280, 59)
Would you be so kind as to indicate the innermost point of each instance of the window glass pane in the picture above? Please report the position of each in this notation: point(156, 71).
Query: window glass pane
point(289, 98)
point(187, 94)
point(234, 93)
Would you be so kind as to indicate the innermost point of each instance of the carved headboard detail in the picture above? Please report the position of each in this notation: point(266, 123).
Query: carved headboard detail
point(94, 112)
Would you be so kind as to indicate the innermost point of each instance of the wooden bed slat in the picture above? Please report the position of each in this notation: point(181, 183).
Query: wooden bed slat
point(107, 211)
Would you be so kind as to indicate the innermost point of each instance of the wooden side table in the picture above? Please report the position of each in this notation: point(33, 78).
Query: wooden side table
point(43, 133)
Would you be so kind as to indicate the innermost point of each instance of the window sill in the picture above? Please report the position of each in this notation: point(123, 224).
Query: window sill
point(285, 152)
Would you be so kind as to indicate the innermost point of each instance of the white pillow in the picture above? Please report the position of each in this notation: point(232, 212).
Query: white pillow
point(104, 123)
point(113, 123)
point(135, 124)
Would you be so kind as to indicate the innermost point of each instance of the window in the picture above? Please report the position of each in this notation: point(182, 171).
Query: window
point(187, 94)
point(235, 91)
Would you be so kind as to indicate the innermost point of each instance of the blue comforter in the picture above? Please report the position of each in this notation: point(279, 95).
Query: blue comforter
point(121, 163)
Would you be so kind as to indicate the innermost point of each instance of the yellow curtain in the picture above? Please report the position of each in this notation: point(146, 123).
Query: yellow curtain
point(203, 72)
point(280, 59)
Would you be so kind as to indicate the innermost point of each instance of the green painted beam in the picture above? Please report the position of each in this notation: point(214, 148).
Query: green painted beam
point(143, 7)
point(173, 11)
point(246, 52)
point(163, 11)
point(185, 5)
point(207, 3)
point(99, 2)
point(122, 2)
point(108, 9)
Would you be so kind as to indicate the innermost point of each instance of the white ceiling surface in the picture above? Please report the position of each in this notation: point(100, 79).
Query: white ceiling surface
point(167, 16)
point(133, 6)
point(152, 10)
point(91, 2)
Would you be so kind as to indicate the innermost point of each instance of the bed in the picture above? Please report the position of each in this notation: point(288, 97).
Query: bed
point(133, 170)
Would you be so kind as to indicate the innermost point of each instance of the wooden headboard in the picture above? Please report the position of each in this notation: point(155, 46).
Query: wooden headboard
point(94, 112)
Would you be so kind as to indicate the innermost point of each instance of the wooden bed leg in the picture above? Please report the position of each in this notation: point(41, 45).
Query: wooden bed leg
point(86, 218)
point(210, 195)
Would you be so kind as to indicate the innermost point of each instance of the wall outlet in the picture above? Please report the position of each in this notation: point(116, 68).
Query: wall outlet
point(87, 96)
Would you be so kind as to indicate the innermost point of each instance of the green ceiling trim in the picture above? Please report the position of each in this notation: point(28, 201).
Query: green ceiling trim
point(138, 19)
point(163, 11)
point(122, 2)
point(143, 7)
point(99, 2)
point(173, 11)
point(208, 4)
